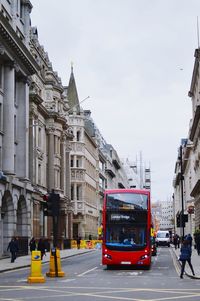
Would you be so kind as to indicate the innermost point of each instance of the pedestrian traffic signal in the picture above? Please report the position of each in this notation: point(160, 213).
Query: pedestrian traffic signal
point(52, 204)
point(178, 221)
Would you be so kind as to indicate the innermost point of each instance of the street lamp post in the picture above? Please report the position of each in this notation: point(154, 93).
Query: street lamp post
point(182, 221)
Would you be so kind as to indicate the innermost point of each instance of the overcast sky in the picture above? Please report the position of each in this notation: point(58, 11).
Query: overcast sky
point(134, 58)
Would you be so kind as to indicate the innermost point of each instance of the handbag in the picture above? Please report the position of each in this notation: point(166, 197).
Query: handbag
point(181, 258)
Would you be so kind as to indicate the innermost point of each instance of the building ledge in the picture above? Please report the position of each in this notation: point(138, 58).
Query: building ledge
point(110, 172)
point(196, 189)
point(116, 164)
point(195, 123)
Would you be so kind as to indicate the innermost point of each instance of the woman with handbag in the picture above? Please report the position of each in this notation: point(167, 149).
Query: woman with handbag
point(186, 253)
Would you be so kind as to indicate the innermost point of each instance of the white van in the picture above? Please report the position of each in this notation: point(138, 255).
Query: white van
point(163, 238)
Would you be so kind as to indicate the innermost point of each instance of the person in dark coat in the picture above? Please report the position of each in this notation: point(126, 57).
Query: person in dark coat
point(185, 255)
point(178, 241)
point(42, 247)
point(197, 242)
point(32, 244)
point(189, 239)
point(78, 242)
point(175, 241)
point(14, 248)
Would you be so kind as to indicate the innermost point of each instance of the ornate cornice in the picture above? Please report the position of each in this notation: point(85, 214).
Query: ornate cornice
point(22, 54)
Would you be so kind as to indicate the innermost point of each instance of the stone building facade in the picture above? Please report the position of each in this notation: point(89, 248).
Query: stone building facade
point(34, 133)
point(46, 142)
point(16, 67)
point(49, 145)
point(84, 163)
point(188, 168)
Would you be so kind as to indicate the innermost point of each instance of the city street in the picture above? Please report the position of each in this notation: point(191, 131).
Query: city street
point(87, 279)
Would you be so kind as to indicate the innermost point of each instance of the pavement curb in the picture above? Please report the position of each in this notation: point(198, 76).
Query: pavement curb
point(44, 262)
point(189, 275)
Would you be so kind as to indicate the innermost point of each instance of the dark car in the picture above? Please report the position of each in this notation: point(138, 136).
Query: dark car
point(153, 247)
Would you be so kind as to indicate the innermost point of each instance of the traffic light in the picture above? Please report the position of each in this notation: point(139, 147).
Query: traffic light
point(178, 221)
point(52, 204)
point(47, 208)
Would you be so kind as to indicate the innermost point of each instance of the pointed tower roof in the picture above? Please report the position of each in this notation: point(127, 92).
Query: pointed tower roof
point(72, 94)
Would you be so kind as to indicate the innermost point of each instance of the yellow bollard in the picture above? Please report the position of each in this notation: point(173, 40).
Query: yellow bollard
point(52, 267)
point(36, 268)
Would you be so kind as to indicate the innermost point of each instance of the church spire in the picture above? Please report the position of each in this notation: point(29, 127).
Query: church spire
point(72, 93)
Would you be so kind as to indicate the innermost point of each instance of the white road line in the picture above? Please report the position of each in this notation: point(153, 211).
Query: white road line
point(80, 275)
point(67, 280)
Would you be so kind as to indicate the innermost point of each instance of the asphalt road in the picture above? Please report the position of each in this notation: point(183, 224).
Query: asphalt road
point(86, 279)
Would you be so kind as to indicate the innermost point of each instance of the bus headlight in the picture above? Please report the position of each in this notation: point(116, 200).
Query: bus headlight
point(144, 256)
point(107, 256)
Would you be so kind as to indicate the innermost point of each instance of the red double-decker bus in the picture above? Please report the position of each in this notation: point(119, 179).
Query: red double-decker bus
point(126, 228)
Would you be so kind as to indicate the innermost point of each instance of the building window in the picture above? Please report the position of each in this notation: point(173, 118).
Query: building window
point(72, 192)
point(21, 10)
point(1, 71)
point(101, 166)
point(0, 158)
point(78, 192)
point(58, 146)
point(78, 135)
point(39, 137)
point(78, 162)
point(14, 163)
point(57, 178)
point(15, 92)
point(39, 174)
point(15, 128)
point(1, 117)
point(102, 183)
point(72, 161)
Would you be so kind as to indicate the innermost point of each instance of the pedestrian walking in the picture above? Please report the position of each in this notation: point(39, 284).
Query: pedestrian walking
point(14, 248)
point(78, 242)
point(185, 255)
point(189, 239)
point(42, 247)
point(197, 242)
point(176, 240)
point(32, 244)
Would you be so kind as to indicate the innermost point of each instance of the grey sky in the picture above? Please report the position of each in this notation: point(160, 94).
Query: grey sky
point(128, 57)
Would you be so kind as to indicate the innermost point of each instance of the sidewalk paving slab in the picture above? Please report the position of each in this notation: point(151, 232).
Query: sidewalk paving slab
point(25, 261)
point(195, 260)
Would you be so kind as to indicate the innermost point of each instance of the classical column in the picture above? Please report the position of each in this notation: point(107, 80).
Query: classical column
point(32, 148)
point(62, 165)
point(8, 119)
point(51, 173)
point(22, 152)
point(68, 171)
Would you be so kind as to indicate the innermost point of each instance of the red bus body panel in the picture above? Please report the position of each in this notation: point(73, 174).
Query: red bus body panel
point(125, 257)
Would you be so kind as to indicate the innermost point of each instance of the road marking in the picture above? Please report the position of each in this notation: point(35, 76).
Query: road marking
point(80, 275)
point(176, 263)
point(22, 280)
point(67, 280)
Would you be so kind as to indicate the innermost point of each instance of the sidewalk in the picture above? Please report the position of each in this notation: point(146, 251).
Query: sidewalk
point(195, 262)
point(25, 261)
